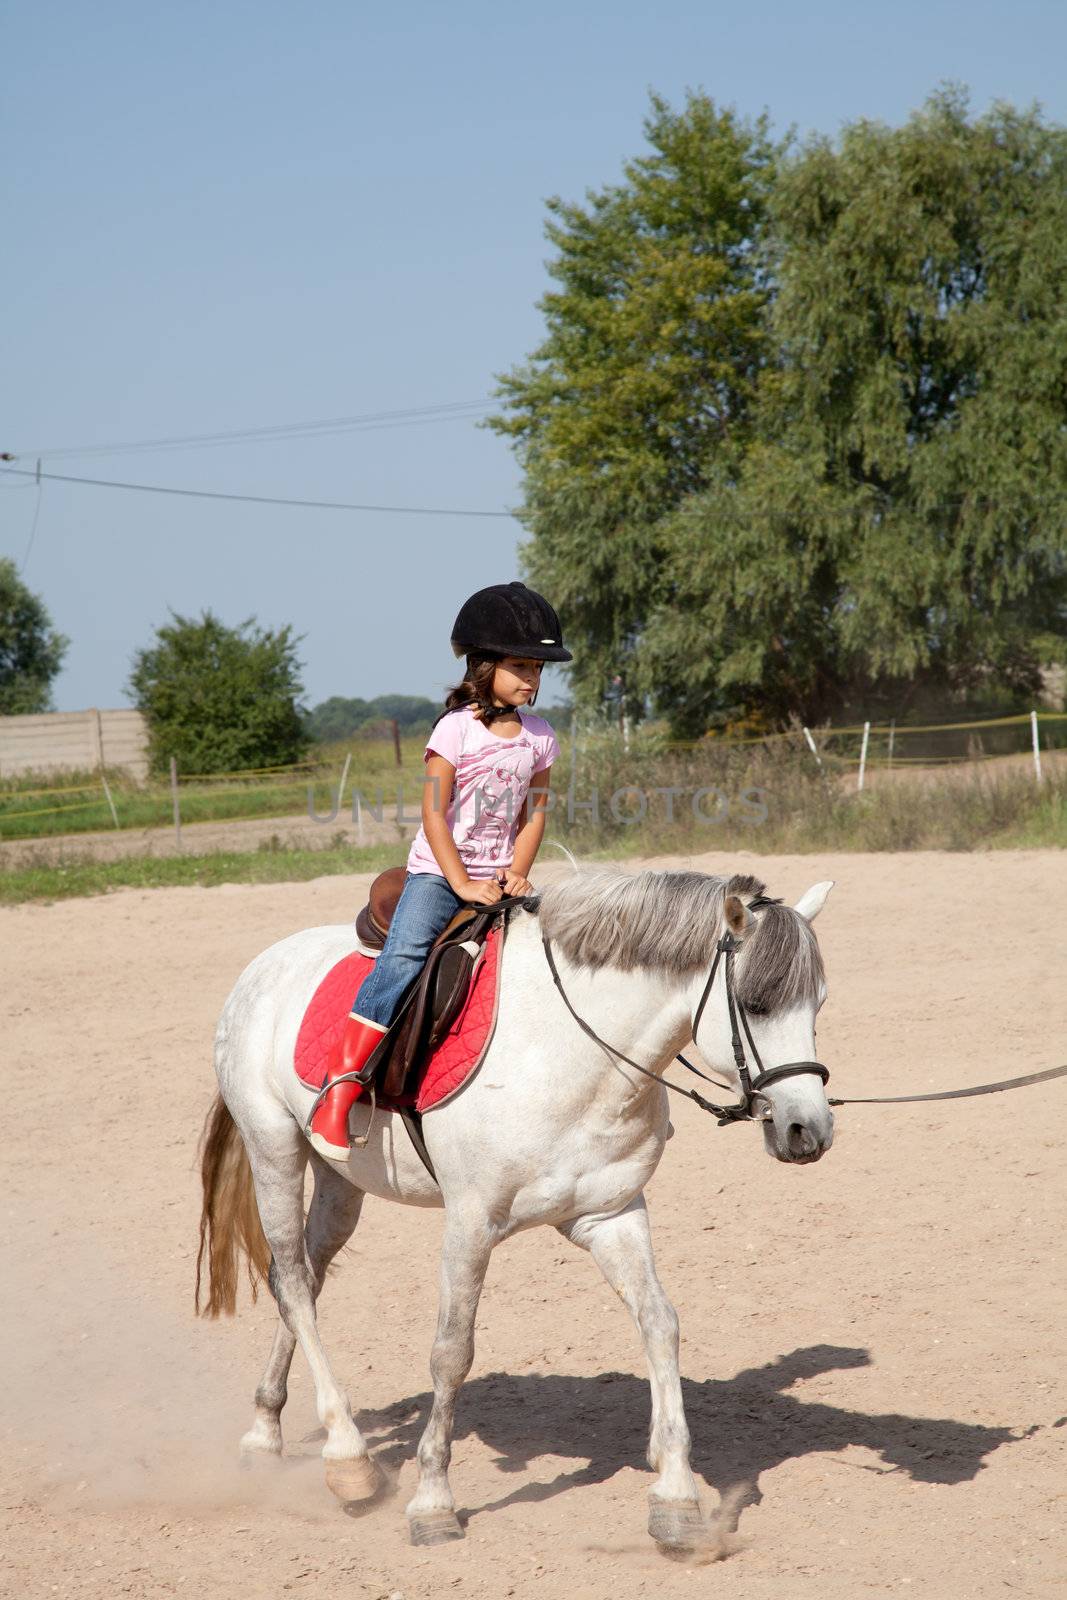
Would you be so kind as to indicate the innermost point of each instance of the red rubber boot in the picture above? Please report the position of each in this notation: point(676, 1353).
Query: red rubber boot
point(329, 1125)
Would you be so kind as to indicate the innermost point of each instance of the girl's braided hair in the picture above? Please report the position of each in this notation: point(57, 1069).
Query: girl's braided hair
point(476, 690)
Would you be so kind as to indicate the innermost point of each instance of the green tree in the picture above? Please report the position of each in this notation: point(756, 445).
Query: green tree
point(31, 651)
point(655, 335)
point(335, 718)
point(220, 699)
point(338, 717)
point(896, 524)
point(407, 709)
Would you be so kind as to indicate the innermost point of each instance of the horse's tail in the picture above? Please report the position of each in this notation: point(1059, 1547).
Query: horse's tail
point(229, 1220)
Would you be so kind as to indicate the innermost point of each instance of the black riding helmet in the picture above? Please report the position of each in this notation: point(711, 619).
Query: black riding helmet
point(507, 619)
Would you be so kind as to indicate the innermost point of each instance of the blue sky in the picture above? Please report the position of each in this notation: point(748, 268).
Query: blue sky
point(236, 215)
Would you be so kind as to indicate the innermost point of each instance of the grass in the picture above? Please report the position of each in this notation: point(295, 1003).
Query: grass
point(50, 881)
point(41, 806)
point(1006, 813)
point(767, 799)
point(774, 799)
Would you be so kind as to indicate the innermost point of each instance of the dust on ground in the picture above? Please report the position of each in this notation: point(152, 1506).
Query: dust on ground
point(872, 1347)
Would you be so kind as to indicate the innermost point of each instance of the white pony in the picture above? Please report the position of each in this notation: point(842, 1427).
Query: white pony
point(551, 1129)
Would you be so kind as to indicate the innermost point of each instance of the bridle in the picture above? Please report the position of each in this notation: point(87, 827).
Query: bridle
point(752, 1087)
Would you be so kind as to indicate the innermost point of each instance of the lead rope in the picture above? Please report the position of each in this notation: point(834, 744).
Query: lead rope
point(742, 1112)
point(958, 1094)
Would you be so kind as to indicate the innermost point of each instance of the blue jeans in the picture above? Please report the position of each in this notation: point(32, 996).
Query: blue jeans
point(426, 906)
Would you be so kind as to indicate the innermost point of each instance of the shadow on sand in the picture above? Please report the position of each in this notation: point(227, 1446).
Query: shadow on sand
point(741, 1427)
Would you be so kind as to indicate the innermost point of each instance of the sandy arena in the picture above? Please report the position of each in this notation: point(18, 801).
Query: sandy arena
point(872, 1347)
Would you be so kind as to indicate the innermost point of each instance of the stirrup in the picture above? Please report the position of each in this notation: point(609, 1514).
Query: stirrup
point(359, 1143)
point(331, 1083)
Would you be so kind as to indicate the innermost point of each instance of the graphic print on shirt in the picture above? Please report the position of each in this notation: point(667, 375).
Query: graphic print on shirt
point(492, 778)
point(493, 789)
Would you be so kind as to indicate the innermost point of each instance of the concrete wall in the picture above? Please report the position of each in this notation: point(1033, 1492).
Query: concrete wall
point(74, 741)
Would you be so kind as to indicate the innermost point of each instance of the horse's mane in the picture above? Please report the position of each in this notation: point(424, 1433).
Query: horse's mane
point(670, 922)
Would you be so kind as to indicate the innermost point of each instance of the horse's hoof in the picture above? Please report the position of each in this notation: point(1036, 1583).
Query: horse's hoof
point(435, 1527)
point(676, 1525)
point(352, 1477)
point(260, 1446)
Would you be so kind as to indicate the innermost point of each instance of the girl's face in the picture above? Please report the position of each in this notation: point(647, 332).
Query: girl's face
point(516, 680)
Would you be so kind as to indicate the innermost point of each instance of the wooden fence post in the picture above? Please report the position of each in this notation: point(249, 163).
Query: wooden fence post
point(96, 738)
point(174, 802)
point(1036, 742)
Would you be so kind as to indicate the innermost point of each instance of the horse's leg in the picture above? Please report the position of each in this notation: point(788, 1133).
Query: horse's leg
point(264, 1437)
point(621, 1246)
point(332, 1218)
point(278, 1156)
point(464, 1258)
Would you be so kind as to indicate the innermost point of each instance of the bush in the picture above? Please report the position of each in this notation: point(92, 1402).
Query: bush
point(220, 699)
point(31, 651)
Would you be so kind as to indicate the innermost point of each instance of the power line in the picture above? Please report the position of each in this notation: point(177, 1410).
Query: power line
point(257, 499)
point(450, 411)
point(333, 505)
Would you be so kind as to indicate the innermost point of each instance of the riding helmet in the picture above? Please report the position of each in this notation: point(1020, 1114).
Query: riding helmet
point(507, 619)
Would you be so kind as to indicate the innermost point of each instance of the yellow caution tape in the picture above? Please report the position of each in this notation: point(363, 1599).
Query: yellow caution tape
point(51, 811)
point(31, 794)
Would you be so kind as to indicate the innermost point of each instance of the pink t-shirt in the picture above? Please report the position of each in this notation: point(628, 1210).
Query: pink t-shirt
point(492, 779)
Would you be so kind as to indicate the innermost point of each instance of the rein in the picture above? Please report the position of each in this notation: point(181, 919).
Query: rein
point(751, 1087)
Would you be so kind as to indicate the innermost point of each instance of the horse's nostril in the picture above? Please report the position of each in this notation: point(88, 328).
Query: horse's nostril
point(801, 1141)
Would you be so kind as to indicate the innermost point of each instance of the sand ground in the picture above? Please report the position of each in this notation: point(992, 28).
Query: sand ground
point(872, 1347)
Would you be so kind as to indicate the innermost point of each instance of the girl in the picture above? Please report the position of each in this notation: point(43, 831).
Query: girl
point(479, 833)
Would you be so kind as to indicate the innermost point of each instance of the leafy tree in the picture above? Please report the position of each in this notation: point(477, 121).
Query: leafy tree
point(31, 651)
point(896, 524)
point(655, 335)
point(335, 718)
point(220, 699)
point(338, 718)
point(407, 709)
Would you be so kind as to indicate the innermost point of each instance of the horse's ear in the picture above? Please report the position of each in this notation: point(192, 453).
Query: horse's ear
point(738, 917)
point(810, 904)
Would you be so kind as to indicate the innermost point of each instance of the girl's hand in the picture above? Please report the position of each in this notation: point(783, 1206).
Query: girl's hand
point(515, 883)
point(479, 892)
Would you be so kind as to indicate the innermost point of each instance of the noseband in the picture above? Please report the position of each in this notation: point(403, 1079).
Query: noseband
point(751, 1087)
point(765, 1076)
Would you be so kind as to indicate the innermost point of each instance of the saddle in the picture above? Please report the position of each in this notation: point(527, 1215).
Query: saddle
point(435, 998)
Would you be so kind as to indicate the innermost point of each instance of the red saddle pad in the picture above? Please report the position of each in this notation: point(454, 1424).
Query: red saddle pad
point(452, 1063)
